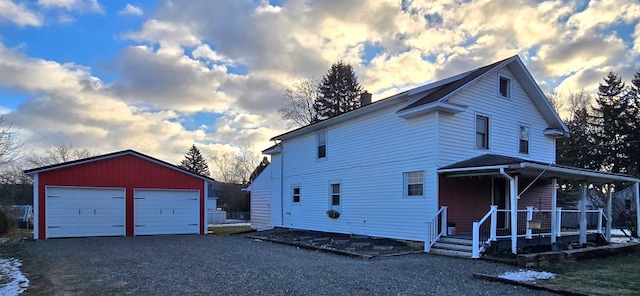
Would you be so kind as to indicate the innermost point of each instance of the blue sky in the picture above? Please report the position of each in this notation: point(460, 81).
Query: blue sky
point(158, 76)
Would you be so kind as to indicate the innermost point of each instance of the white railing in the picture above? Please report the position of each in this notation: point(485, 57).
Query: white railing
point(436, 228)
point(480, 239)
point(567, 222)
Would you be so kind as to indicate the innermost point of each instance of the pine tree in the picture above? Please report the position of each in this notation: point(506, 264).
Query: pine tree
point(339, 91)
point(194, 162)
point(577, 149)
point(632, 122)
point(608, 127)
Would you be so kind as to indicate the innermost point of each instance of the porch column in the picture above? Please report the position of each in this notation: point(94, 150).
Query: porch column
point(607, 232)
point(637, 193)
point(513, 189)
point(583, 214)
point(554, 207)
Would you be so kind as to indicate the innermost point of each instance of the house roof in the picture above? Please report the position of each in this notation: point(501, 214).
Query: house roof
point(113, 155)
point(435, 96)
point(491, 164)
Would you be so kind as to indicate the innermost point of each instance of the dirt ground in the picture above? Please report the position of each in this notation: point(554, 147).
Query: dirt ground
point(358, 245)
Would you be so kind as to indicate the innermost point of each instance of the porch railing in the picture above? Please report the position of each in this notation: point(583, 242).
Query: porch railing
point(568, 222)
point(481, 236)
point(436, 227)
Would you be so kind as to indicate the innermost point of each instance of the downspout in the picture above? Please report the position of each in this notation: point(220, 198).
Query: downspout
point(636, 192)
point(514, 210)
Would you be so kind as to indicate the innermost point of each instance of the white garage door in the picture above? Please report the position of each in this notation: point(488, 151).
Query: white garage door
point(79, 212)
point(166, 212)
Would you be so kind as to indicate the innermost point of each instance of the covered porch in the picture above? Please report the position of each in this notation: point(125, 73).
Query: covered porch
point(493, 198)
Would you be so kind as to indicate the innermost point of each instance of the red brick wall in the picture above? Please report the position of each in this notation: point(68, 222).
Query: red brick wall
point(468, 199)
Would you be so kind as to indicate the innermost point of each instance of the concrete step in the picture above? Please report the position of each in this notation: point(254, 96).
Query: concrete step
point(451, 253)
point(457, 241)
point(453, 247)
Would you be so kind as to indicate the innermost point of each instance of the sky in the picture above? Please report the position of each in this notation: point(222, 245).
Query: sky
point(159, 76)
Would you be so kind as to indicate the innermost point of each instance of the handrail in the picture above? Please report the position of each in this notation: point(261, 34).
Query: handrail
point(434, 235)
point(477, 248)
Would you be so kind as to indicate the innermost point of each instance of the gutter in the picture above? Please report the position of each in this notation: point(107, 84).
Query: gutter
point(592, 174)
point(469, 169)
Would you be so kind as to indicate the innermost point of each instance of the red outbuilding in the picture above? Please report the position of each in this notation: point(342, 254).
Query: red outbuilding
point(123, 193)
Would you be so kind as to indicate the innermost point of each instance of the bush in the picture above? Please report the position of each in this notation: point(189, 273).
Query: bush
point(5, 223)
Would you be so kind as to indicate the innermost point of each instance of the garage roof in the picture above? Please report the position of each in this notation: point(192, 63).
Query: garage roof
point(34, 171)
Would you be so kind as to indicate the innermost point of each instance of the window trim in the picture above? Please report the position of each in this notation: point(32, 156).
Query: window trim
point(520, 126)
point(487, 134)
point(509, 88)
point(405, 184)
point(293, 194)
point(331, 194)
point(326, 138)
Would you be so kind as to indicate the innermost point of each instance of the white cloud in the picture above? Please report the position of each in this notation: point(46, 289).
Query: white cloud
point(4, 110)
point(130, 9)
point(82, 6)
point(19, 14)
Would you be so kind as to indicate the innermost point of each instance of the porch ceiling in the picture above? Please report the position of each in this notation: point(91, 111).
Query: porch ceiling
point(491, 164)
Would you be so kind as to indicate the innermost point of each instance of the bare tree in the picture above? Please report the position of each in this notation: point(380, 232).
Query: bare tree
point(234, 166)
point(568, 104)
point(299, 102)
point(10, 145)
point(60, 153)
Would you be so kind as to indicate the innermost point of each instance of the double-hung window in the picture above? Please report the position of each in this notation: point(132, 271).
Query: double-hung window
point(335, 194)
point(505, 87)
point(296, 194)
point(414, 184)
point(524, 139)
point(321, 142)
point(482, 132)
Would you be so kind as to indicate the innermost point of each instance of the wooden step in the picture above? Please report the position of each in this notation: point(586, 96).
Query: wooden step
point(457, 241)
point(451, 253)
point(454, 247)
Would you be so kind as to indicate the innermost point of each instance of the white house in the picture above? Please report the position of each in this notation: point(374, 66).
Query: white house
point(476, 146)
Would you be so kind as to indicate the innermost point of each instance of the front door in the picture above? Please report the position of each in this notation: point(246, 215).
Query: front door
point(500, 199)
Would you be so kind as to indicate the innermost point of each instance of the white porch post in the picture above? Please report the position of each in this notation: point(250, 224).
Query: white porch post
point(583, 214)
point(559, 221)
point(554, 206)
point(609, 202)
point(494, 222)
point(513, 189)
point(529, 218)
point(637, 194)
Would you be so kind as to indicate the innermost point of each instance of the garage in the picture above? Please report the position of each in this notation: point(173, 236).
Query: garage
point(79, 212)
point(165, 212)
point(125, 193)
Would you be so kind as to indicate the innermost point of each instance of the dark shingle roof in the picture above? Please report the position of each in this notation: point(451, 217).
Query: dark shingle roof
point(444, 90)
point(488, 160)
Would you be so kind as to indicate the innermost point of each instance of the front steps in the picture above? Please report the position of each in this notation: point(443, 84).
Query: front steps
point(453, 247)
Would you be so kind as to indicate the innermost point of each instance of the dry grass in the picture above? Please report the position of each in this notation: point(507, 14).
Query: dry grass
point(618, 275)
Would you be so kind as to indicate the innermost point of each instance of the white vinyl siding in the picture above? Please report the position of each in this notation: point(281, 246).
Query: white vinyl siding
point(261, 199)
point(505, 116)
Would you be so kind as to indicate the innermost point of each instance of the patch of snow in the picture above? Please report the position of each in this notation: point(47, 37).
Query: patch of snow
point(15, 283)
point(3, 240)
point(230, 225)
point(527, 275)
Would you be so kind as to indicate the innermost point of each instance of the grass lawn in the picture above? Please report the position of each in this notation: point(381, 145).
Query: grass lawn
point(617, 275)
point(228, 230)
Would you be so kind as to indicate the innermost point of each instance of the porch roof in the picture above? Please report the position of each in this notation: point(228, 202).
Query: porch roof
point(491, 164)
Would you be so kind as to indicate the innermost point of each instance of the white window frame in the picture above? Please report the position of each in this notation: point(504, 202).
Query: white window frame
point(487, 132)
point(293, 194)
point(509, 86)
point(407, 181)
point(318, 133)
point(520, 126)
point(331, 194)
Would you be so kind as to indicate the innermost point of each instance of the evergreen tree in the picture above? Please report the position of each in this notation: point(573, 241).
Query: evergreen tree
point(339, 91)
point(608, 128)
point(577, 149)
point(194, 162)
point(632, 122)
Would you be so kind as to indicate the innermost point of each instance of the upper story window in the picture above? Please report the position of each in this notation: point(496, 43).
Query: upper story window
point(524, 139)
point(321, 142)
point(505, 87)
point(482, 132)
point(414, 184)
point(296, 194)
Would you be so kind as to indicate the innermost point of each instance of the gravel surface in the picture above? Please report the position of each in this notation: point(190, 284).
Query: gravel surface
point(235, 265)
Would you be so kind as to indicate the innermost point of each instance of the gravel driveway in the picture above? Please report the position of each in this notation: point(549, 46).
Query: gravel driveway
point(235, 265)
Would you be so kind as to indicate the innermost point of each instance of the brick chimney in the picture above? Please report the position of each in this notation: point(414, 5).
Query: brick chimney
point(365, 98)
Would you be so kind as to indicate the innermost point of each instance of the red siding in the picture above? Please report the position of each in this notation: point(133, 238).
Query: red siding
point(127, 171)
point(467, 200)
point(538, 195)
